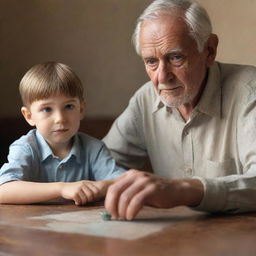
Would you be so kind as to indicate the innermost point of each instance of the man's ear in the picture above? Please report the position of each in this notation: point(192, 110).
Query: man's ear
point(27, 115)
point(82, 110)
point(211, 49)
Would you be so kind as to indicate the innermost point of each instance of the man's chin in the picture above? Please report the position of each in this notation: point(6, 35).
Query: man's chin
point(174, 102)
point(171, 102)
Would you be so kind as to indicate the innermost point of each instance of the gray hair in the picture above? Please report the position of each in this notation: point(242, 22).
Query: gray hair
point(195, 16)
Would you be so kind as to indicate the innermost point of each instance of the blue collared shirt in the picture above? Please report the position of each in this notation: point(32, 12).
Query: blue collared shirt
point(31, 159)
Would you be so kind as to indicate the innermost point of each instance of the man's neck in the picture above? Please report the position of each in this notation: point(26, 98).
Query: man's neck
point(187, 108)
point(186, 111)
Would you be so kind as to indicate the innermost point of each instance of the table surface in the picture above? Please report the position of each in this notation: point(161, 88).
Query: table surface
point(23, 232)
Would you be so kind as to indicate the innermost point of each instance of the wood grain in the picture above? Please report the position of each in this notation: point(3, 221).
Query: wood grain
point(193, 234)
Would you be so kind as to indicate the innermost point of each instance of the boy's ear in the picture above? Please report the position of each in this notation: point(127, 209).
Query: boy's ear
point(82, 110)
point(27, 115)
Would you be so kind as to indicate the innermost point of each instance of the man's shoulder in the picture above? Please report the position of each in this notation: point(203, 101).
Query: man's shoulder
point(145, 89)
point(238, 73)
point(239, 79)
point(145, 95)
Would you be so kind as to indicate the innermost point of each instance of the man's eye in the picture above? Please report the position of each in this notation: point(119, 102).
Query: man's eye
point(176, 60)
point(47, 109)
point(151, 62)
point(69, 106)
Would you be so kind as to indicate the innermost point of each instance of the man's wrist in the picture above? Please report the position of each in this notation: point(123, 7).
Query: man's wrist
point(192, 191)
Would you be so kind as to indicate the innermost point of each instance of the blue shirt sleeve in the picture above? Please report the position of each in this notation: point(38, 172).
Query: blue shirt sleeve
point(19, 164)
point(104, 166)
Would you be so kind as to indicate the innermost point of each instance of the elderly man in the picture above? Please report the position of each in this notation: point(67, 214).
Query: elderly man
point(195, 120)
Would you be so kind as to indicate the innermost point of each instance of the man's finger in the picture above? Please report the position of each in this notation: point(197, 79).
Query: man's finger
point(114, 192)
point(138, 201)
point(127, 196)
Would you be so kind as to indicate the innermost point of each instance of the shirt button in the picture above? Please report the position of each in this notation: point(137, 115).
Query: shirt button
point(61, 166)
point(188, 172)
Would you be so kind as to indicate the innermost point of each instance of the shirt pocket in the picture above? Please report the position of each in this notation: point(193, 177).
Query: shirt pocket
point(220, 169)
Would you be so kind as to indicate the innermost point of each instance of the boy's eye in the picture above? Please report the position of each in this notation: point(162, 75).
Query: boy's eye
point(47, 109)
point(69, 106)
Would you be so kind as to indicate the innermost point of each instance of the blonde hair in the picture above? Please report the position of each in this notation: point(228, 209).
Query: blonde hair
point(48, 79)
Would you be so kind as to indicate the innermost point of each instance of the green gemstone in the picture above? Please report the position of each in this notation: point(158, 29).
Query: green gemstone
point(105, 216)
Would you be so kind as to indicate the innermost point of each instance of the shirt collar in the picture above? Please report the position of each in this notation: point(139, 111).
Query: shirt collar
point(157, 104)
point(46, 150)
point(76, 149)
point(210, 102)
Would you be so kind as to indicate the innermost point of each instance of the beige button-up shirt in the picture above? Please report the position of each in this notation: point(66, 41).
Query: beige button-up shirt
point(216, 145)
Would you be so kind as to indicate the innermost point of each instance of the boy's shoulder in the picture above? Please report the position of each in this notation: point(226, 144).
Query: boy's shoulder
point(26, 145)
point(89, 142)
point(26, 140)
point(89, 147)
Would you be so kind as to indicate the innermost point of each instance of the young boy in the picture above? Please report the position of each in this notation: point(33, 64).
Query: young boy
point(55, 160)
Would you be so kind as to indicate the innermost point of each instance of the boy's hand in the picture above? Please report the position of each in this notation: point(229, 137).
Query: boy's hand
point(83, 191)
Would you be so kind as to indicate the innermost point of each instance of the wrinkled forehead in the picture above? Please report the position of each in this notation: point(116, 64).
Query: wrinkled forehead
point(163, 26)
point(165, 34)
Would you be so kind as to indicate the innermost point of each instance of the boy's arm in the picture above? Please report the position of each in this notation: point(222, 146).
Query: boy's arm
point(24, 192)
point(81, 192)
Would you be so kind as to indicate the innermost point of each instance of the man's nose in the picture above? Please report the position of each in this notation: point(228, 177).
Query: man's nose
point(164, 73)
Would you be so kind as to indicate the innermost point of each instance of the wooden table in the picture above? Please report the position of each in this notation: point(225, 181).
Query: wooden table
point(191, 234)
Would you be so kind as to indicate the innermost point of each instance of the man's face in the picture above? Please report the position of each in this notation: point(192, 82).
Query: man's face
point(172, 61)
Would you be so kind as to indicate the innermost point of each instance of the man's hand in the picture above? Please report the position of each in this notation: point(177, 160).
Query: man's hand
point(83, 191)
point(135, 188)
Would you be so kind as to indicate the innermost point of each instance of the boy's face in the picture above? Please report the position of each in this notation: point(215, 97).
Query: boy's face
point(57, 118)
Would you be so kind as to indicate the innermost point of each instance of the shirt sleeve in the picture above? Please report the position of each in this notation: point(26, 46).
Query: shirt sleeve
point(19, 164)
point(125, 138)
point(236, 193)
point(104, 167)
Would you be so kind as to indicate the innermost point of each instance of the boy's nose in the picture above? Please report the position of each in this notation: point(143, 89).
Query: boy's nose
point(59, 117)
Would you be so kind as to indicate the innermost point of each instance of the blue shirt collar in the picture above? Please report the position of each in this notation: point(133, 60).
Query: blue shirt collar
point(46, 150)
point(76, 149)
